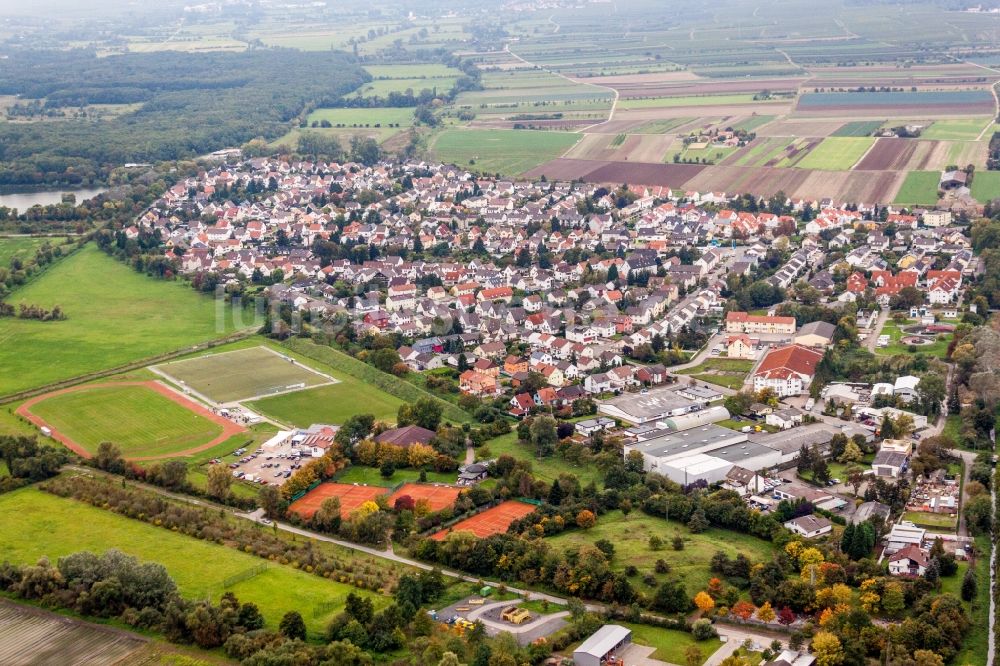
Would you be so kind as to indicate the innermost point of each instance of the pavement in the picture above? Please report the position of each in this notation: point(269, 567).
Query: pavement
point(543, 625)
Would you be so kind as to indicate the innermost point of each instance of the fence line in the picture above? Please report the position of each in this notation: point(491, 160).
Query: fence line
point(244, 575)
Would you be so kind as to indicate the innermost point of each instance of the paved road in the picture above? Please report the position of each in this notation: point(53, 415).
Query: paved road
point(873, 336)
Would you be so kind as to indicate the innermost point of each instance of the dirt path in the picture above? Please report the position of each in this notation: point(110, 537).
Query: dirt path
point(229, 429)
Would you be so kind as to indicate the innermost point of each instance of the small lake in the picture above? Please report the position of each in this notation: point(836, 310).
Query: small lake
point(22, 201)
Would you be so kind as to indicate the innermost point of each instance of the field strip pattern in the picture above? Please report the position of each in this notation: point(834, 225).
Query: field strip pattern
point(32, 636)
point(229, 429)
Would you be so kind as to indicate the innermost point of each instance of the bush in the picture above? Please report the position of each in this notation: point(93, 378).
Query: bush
point(702, 630)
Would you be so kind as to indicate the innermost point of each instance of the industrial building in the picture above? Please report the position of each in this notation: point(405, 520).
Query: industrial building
point(705, 452)
point(641, 408)
point(611, 640)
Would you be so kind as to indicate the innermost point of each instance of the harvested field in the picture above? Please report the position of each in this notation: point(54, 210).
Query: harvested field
point(848, 186)
point(914, 155)
point(801, 127)
point(489, 522)
point(672, 175)
point(34, 636)
point(439, 497)
point(351, 497)
point(612, 148)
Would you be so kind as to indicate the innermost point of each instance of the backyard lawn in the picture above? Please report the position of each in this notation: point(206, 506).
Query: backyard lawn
point(548, 468)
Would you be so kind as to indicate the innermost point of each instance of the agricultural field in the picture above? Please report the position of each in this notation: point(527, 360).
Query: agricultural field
point(836, 154)
point(621, 147)
point(920, 188)
point(986, 185)
point(630, 534)
point(508, 152)
point(956, 102)
point(143, 422)
point(334, 403)
point(956, 129)
point(242, 374)
point(364, 118)
point(913, 155)
point(693, 101)
point(858, 128)
point(34, 524)
point(114, 316)
point(38, 634)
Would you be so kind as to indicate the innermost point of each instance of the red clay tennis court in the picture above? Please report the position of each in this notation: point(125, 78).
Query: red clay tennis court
point(491, 521)
point(440, 497)
point(351, 497)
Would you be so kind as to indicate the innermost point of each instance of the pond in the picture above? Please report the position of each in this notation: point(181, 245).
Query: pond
point(24, 200)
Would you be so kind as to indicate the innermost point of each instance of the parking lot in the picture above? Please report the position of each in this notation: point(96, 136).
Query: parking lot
point(269, 464)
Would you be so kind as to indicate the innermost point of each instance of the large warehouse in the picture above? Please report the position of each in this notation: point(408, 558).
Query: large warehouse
point(641, 408)
point(705, 452)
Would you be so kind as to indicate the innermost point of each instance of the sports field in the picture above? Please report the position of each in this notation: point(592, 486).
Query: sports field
point(35, 524)
point(144, 419)
point(439, 497)
point(836, 153)
point(334, 403)
point(491, 521)
point(242, 374)
point(114, 316)
point(351, 497)
point(508, 152)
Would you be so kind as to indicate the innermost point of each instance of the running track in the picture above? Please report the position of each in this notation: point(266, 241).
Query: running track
point(229, 428)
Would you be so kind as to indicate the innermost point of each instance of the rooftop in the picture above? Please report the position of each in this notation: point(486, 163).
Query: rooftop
point(693, 440)
point(604, 640)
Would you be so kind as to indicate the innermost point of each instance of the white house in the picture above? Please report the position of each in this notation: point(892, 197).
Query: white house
point(908, 561)
point(810, 527)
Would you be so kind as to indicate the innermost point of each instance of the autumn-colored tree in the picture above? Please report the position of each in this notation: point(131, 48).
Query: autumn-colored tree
point(786, 616)
point(419, 455)
point(366, 509)
point(704, 602)
point(827, 649)
point(765, 613)
point(715, 588)
point(692, 656)
point(825, 617)
point(870, 599)
point(586, 519)
point(743, 610)
point(793, 548)
point(835, 595)
point(422, 507)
